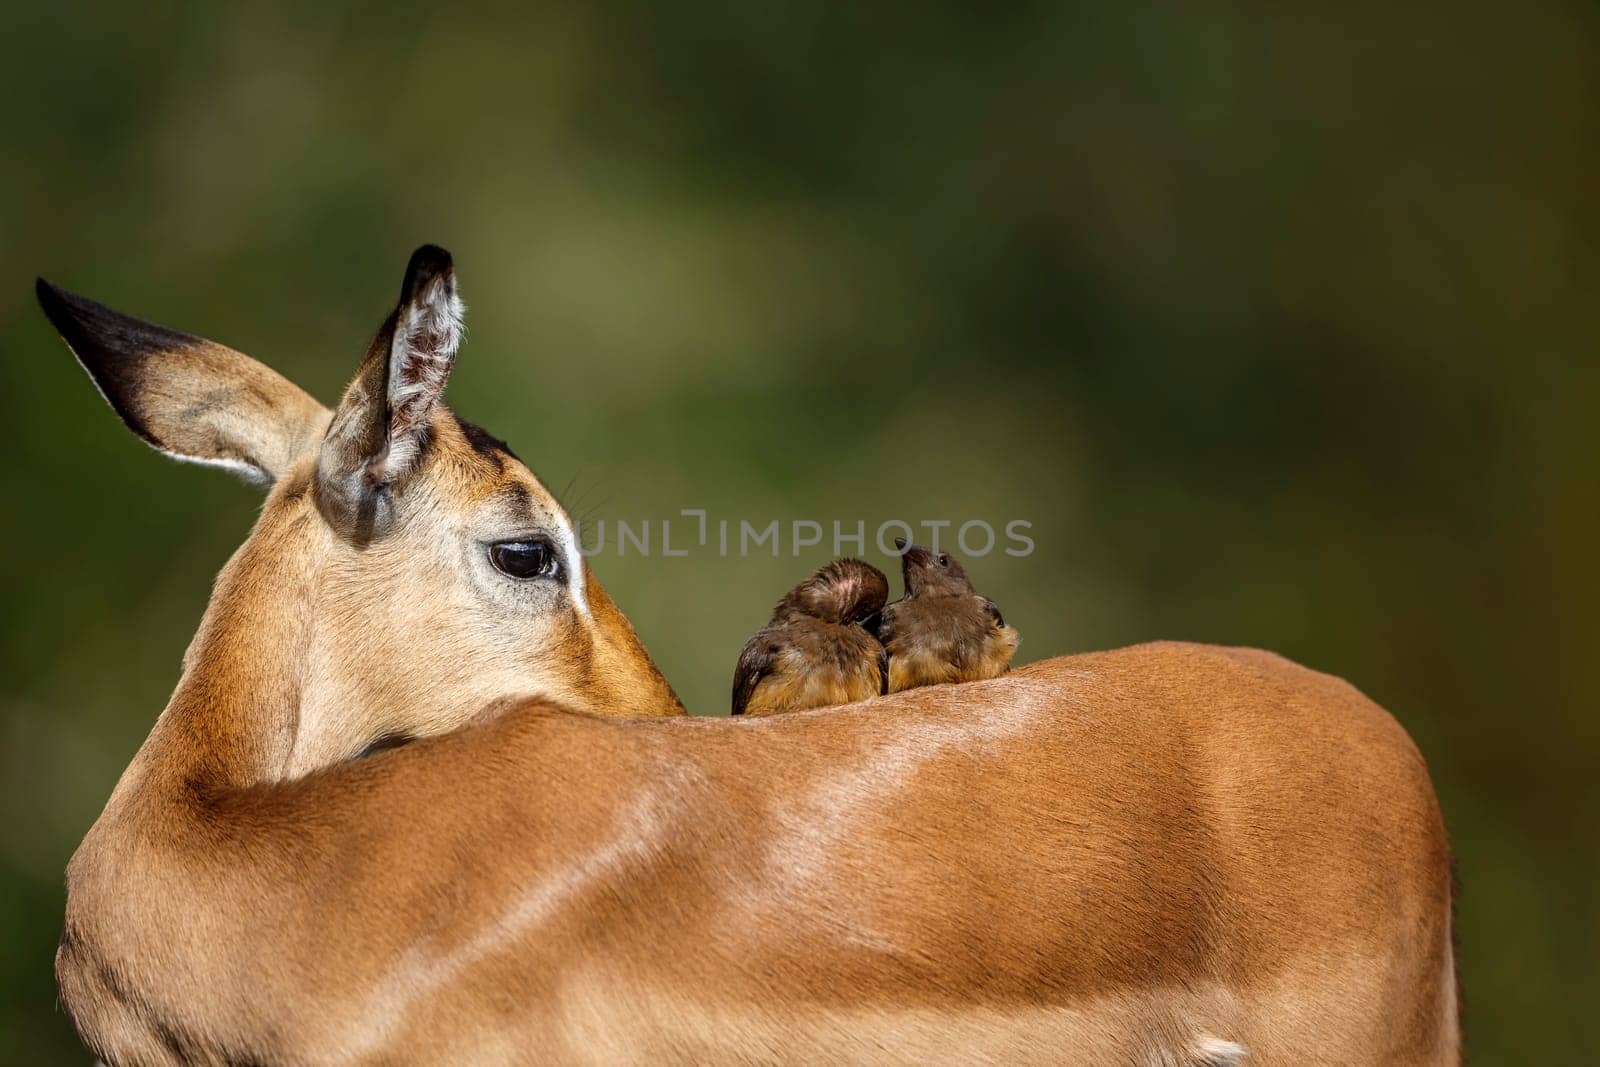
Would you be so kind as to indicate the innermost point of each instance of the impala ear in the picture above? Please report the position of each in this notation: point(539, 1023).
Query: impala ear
point(191, 398)
point(380, 430)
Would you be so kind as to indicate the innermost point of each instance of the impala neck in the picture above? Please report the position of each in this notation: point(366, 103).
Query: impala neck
point(233, 719)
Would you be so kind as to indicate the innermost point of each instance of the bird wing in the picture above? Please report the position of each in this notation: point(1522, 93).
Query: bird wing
point(755, 663)
point(884, 631)
point(993, 611)
point(886, 634)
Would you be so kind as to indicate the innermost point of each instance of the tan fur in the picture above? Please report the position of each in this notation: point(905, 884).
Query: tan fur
point(1100, 858)
point(1125, 857)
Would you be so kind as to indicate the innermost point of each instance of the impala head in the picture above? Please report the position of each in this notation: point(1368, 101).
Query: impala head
point(407, 569)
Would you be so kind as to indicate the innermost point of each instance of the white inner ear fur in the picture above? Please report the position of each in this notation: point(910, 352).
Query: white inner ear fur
point(250, 472)
point(426, 337)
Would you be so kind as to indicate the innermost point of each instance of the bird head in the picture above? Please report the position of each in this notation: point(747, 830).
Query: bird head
point(929, 572)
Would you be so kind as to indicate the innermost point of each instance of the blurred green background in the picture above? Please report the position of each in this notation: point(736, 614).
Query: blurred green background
point(1280, 327)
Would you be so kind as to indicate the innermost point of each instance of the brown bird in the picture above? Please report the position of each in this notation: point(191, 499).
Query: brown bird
point(816, 651)
point(942, 630)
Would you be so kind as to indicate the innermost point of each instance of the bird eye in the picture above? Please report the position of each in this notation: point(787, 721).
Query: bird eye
point(944, 560)
point(525, 559)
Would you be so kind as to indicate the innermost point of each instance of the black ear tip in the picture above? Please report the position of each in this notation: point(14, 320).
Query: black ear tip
point(432, 255)
point(64, 310)
point(427, 263)
point(51, 297)
point(96, 333)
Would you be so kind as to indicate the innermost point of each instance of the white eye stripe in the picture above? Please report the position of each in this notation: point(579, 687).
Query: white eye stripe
point(568, 543)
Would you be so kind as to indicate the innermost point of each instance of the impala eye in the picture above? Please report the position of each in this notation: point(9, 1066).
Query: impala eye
point(525, 559)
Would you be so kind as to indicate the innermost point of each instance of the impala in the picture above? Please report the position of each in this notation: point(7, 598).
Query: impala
point(421, 796)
